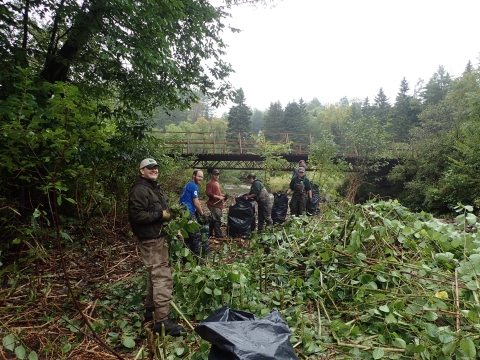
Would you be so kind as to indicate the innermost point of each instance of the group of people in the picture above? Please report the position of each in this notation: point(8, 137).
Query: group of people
point(148, 212)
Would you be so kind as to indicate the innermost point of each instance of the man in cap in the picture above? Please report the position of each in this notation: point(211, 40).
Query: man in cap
point(302, 191)
point(301, 163)
point(148, 211)
point(215, 203)
point(189, 199)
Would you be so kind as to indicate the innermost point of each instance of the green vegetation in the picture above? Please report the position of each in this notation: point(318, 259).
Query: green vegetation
point(82, 86)
point(369, 281)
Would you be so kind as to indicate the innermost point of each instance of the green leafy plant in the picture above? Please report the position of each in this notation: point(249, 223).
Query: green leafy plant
point(12, 343)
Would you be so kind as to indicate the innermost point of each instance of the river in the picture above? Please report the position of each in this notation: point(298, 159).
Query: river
point(236, 190)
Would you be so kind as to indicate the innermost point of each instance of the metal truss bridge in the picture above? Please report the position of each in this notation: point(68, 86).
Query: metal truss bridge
point(236, 151)
point(241, 151)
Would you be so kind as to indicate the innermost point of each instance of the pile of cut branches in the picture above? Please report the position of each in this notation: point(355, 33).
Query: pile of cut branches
point(368, 281)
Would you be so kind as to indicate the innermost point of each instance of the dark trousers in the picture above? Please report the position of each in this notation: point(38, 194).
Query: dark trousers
point(298, 205)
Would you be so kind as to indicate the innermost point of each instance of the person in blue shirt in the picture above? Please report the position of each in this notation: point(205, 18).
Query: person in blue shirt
point(189, 199)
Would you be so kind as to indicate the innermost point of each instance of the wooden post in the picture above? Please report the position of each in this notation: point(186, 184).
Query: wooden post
point(214, 143)
point(240, 143)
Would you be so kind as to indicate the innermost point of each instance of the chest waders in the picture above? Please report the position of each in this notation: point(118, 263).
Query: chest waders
point(264, 209)
point(299, 199)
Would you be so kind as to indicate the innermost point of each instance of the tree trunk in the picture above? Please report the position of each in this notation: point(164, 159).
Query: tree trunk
point(88, 23)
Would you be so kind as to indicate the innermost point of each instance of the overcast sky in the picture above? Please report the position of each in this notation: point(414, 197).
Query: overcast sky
point(333, 48)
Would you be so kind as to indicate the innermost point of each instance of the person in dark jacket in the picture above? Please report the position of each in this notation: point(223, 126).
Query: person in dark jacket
point(260, 194)
point(302, 191)
point(148, 211)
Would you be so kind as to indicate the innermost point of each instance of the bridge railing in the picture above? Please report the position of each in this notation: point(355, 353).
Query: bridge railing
point(195, 143)
point(230, 143)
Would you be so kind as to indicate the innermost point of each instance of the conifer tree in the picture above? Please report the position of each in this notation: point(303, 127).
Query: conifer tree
point(303, 129)
point(273, 122)
point(256, 121)
point(366, 107)
point(238, 118)
point(439, 85)
point(468, 68)
point(291, 119)
point(381, 108)
point(405, 113)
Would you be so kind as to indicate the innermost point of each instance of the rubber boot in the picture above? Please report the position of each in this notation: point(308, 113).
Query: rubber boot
point(148, 315)
point(218, 230)
point(171, 328)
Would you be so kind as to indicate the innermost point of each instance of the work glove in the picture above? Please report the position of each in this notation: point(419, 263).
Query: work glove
point(166, 215)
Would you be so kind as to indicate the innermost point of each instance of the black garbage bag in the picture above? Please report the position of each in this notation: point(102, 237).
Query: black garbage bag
point(238, 335)
point(241, 217)
point(279, 208)
point(248, 202)
point(314, 203)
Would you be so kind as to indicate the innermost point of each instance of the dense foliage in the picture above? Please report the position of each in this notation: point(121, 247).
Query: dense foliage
point(79, 83)
point(429, 132)
point(372, 281)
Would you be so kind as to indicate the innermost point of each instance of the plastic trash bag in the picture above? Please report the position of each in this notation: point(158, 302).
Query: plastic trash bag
point(314, 202)
point(238, 335)
point(279, 208)
point(241, 217)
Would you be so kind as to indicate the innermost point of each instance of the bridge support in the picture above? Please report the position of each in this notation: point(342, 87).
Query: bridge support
point(241, 161)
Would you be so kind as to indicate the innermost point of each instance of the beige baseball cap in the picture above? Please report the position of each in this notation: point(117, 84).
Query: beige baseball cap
point(148, 163)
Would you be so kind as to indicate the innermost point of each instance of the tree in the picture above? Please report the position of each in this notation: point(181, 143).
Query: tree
point(366, 107)
point(273, 122)
point(405, 113)
point(314, 104)
point(343, 102)
point(219, 127)
point(356, 109)
point(238, 118)
point(381, 107)
point(295, 120)
point(144, 53)
point(437, 87)
point(442, 168)
point(163, 118)
point(367, 141)
point(256, 121)
point(468, 68)
point(79, 81)
point(303, 126)
point(208, 112)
